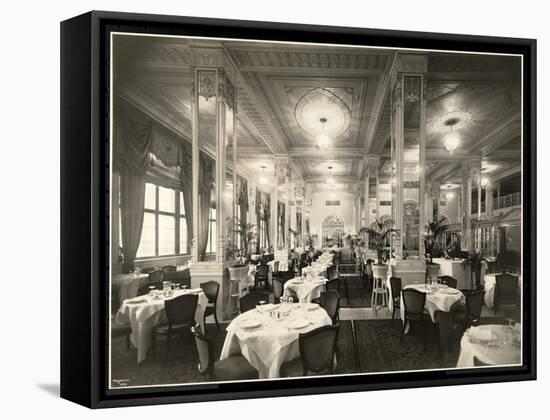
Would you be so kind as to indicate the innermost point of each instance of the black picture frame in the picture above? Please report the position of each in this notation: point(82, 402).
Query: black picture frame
point(85, 208)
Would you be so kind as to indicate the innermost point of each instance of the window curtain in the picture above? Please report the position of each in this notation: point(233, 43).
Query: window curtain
point(267, 218)
point(299, 229)
point(281, 222)
point(258, 217)
point(132, 145)
point(243, 199)
point(186, 178)
point(206, 179)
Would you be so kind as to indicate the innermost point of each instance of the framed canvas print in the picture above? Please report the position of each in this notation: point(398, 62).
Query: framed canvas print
point(260, 209)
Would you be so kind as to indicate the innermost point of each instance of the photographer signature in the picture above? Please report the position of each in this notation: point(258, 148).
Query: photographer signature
point(121, 382)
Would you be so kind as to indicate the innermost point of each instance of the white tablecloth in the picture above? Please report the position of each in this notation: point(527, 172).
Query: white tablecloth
point(439, 300)
point(129, 284)
point(306, 290)
point(490, 283)
point(144, 316)
point(273, 343)
point(490, 344)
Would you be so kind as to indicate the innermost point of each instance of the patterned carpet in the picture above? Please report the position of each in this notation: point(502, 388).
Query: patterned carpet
point(363, 346)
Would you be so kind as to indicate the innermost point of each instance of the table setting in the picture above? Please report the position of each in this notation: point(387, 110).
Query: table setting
point(268, 335)
point(305, 288)
point(128, 284)
point(144, 312)
point(439, 297)
point(491, 345)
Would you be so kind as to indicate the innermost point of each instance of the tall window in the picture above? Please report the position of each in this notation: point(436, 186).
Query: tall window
point(164, 230)
point(211, 244)
point(263, 235)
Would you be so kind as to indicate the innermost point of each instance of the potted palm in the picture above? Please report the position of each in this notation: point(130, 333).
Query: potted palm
point(379, 233)
point(246, 231)
point(434, 229)
point(475, 261)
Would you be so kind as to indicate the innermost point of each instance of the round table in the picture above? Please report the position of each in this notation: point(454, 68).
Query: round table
point(494, 345)
point(274, 342)
point(306, 290)
point(144, 313)
point(442, 299)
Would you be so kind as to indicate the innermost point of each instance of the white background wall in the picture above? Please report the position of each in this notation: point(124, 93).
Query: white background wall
point(320, 211)
point(30, 212)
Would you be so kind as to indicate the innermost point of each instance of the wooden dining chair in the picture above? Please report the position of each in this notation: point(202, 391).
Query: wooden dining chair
point(232, 368)
point(211, 289)
point(168, 269)
point(471, 312)
point(395, 285)
point(330, 302)
point(506, 289)
point(317, 353)
point(262, 275)
point(414, 302)
point(250, 300)
point(180, 312)
point(449, 281)
point(155, 276)
point(278, 290)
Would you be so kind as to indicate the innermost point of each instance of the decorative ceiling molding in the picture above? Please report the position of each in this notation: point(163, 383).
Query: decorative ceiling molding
point(378, 106)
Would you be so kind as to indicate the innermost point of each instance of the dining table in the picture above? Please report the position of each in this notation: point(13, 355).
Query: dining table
point(127, 285)
point(439, 298)
point(494, 345)
point(145, 312)
point(490, 281)
point(304, 288)
point(268, 336)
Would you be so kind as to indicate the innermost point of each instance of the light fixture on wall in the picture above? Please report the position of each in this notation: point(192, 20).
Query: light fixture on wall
point(484, 181)
point(323, 141)
point(262, 177)
point(451, 140)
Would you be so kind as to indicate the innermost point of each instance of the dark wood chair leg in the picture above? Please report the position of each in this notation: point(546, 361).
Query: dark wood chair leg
point(127, 341)
point(392, 314)
point(216, 319)
point(403, 330)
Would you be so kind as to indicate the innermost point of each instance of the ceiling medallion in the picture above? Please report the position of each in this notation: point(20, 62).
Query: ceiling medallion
point(460, 119)
point(320, 104)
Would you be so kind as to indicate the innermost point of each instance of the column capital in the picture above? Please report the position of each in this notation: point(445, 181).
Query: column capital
point(412, 63)
point(372, 161)
point(215, 58)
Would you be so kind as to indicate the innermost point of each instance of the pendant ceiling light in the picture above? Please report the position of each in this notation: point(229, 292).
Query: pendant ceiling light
point(451, 140)
point(262, 177)
point(323, 141)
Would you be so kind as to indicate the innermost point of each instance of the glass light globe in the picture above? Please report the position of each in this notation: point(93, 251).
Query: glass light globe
point(451, 141)
point(323, 141)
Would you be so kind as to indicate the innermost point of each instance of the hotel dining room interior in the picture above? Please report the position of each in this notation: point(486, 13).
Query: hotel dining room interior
point(281, 210)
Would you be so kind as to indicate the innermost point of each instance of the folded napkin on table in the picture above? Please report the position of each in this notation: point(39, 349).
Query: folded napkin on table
point(481, 334)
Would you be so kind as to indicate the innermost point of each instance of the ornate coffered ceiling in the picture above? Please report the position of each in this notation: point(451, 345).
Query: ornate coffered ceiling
point(284, 89)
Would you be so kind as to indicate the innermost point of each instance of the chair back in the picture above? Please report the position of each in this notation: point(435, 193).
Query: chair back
point(332, 274)
point(155, 276)
point(169, 269)
point(368, 267)
point(449, 281)
point(250, 300)
point(147, 270)
point(211, 290)
point(474, 303)
point(183, 277)
point(143, 290)
point(181, 309)
point(276, 267)
point(330, 302)
point(263, 270)
point(333, 284)
point(506, 283)
point(317, 349)
point(395, 284)
point(204, 349)
point(413, 301)
point(278, 289)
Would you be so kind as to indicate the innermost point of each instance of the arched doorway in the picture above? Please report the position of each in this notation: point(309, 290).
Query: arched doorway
point(333, 230)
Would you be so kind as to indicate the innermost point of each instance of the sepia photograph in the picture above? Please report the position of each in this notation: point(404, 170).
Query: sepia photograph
point(281, 210)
